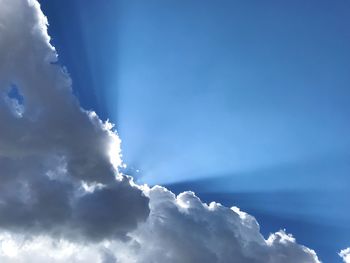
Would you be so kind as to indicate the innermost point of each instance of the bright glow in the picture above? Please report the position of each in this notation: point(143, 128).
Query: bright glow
point(90, 188)
point(114, 147)
point(7, 246)
point(241, 214)
point(45, 249)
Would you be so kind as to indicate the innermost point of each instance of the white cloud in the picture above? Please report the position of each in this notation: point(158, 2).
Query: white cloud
point(183, 229)
point(345, 255)
point(61, 198)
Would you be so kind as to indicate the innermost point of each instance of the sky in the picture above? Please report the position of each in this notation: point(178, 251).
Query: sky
point(244, 103)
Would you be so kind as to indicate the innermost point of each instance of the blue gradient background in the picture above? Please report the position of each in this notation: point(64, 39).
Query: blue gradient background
point(244, 102)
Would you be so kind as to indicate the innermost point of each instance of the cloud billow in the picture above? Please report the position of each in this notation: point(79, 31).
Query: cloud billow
point(62, 198)
point(54, 146)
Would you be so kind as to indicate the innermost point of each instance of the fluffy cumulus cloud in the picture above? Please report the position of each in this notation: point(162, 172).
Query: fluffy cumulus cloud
point(61, 196)
point(345, 255)
point(52, 153)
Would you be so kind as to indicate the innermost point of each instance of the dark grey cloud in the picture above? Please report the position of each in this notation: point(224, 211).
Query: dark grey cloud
point(61, 196)
point(53, 146)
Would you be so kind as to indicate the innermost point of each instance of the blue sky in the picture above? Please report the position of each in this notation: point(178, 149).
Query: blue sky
point(244, 102)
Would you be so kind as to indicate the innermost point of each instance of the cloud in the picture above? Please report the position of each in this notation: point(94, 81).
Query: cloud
point(179, 229)
point(61, 196)
point(183, 229)
point(53, 147)
point(345, 255)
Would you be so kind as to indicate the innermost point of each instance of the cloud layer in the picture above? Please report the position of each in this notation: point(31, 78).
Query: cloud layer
point(61, 196)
